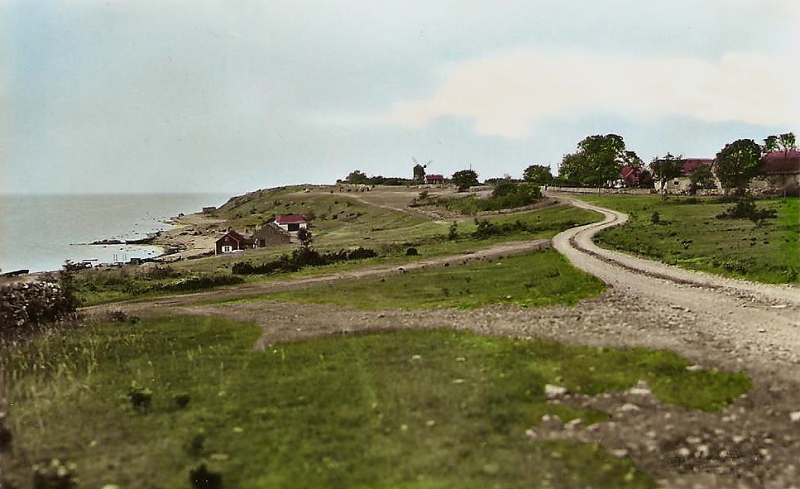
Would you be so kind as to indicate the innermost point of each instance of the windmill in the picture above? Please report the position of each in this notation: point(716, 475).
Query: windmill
point(419, 170)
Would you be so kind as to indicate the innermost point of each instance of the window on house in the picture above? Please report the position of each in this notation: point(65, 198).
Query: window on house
point(227, 249)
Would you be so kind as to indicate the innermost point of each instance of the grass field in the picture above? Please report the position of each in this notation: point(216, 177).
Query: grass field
point(404, 409)
point(538, 279)
point(430, 239)
point(689, 236)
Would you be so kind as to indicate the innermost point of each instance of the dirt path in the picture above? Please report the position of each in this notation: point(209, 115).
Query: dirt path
point(159, 304)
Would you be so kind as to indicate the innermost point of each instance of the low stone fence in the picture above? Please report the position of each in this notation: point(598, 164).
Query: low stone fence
point(595, 190)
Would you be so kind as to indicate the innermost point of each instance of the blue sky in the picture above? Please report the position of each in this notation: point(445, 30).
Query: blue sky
point(234, 95)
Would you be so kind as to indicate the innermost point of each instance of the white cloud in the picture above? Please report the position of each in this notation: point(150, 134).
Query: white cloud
point(502, 94)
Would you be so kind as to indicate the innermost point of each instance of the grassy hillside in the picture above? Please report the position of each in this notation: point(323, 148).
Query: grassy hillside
point(689, 235)
point(387, 231)
point(140, 405)
point(538, 279)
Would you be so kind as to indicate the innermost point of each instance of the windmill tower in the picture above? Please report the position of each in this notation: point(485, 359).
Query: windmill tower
point(419, 171)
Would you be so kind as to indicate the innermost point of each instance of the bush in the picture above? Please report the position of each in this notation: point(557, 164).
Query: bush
point(140, 397)
point(655, 218)
point(197, 282)
point(55, 475)
point(412, 252)
point(301, 258)
point(202, 478)
point(745, 208)
point(182, 400)
point(121, 317)
point(24, 305)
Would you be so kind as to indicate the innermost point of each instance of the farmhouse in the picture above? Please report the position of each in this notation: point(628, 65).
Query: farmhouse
point(683, 184)
point(291, 222)
point(233, 241)
point(780, 172)
point(630, 175)
point(434, 179)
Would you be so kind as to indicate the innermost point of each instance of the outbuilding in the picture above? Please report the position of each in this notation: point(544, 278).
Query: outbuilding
point(233, 241)
point(291, 222)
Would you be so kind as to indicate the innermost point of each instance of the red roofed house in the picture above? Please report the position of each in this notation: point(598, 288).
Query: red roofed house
point(683, 184)
point(434, 179)
point(233, 241)
point(291, 222)
point(630, 175)
point(780, 172)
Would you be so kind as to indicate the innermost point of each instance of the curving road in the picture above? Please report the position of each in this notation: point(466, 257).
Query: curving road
point(742, 311)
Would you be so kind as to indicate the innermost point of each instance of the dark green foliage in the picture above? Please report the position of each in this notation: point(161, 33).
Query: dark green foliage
point(666, 168)
point(5, 434)
point(202, 478)
point(305, 237)
point(182, 400)
point(301, 258)
point(506, 195)
point(55, 474)
point(598, 161)
point(746, 208)
point(738, 163)
point(196, 444)
point(538, 174)
point(412, 252)
point(655, 218)
point(198, 282)
point(357, 177)
point(140, 397)
point(452, 231)
point(119, 316)
point(26, 305)
point(703, 177)
point(465, 179)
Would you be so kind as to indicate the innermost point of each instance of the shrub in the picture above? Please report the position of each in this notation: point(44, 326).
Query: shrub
point(202, 478)
point(200, 281)
point(655, 218)
point(25, 305)
point(197, 443)
point(55, 475)
point(121, 317)
point(301, 258)
point(412, 252)
point(452, 232)
point(745, 208)
point(5, 434)
point(140, 397)
point(182, 400)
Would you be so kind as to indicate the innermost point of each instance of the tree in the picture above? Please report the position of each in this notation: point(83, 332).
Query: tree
point(357, 177)
point(787, 142)
point(770, 144)
point(539, 174)
point(703, 177)
point(305, 237)
point(465, 179)
point(666, 168)
point(598, 161)
point(573, 169)
point(738, 163)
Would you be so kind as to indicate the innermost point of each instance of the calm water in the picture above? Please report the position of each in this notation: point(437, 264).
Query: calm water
point(40, 232)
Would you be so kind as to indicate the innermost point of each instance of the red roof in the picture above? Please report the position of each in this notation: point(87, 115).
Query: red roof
point(692, 164)
point(434, 177)
point(290, 219)
point(780, 162)
point(236, 236)
point(630, 174)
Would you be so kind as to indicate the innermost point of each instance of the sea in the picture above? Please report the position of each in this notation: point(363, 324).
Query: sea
point(39, 232)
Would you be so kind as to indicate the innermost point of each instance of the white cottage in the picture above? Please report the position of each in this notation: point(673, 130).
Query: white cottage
point(291, 222)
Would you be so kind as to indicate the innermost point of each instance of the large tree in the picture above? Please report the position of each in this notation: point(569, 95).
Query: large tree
point(666, 168)
point(738, 163)
point(465, 179)
point(598, 161)
point(538, 174)
point(357, 177)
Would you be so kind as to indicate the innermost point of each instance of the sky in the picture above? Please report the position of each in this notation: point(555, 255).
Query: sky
point(229, 96)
